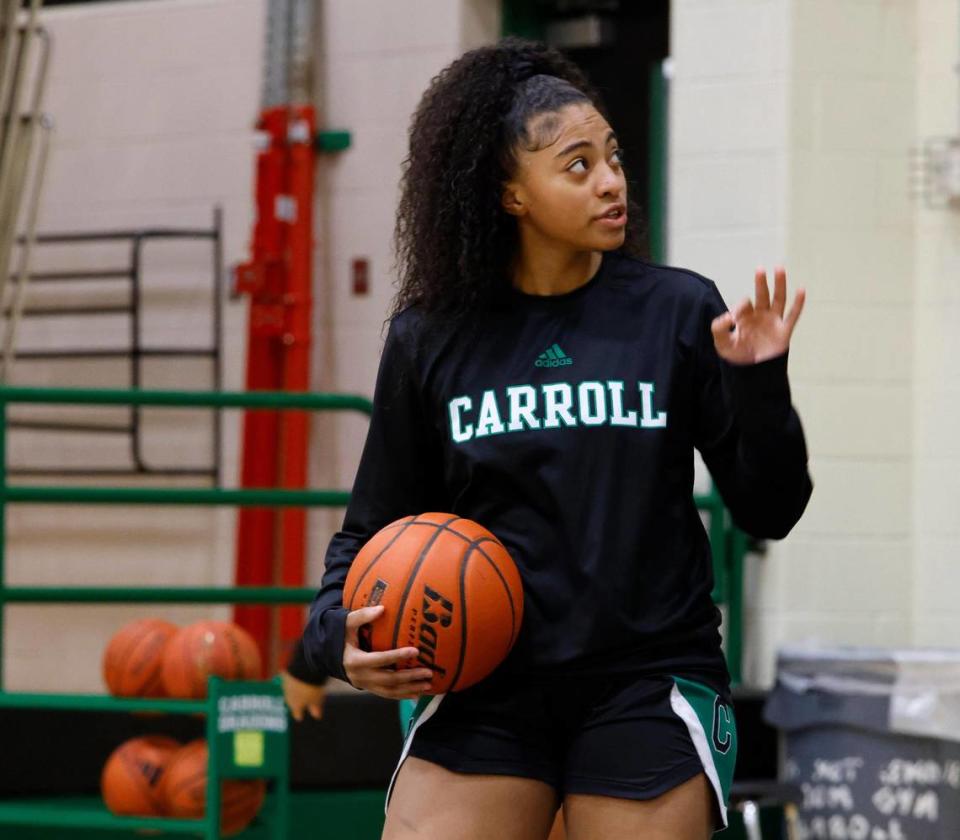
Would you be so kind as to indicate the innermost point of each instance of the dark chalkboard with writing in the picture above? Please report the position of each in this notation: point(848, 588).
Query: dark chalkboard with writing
point(860, 784)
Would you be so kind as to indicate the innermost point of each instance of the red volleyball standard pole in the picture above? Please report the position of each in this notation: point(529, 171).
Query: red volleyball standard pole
point(296, 341)
point(271, 543)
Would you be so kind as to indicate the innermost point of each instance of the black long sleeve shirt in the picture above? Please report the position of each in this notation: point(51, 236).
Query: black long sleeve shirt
point(566, 425)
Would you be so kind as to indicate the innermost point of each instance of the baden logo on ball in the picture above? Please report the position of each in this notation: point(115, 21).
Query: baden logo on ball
point(449, 588)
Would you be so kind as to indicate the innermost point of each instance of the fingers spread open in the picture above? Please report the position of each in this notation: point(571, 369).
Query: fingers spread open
point(742, 309)
point(762, 290)
point(796, 309)
point(779, 290)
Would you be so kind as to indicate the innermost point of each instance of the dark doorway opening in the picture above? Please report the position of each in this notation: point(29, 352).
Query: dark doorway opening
point(621, 45)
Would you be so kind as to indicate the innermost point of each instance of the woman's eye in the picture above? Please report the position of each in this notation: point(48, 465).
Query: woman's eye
point(570, 168)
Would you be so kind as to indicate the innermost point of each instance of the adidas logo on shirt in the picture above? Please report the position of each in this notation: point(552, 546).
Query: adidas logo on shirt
point(553, 357)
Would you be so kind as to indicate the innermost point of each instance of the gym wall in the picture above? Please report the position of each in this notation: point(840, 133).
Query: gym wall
point(155, 104)
point(791, 137)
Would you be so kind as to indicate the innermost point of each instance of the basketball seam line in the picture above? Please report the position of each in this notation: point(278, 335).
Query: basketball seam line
point(514, 628)
point(411, 519)
point(121, 666)
point(472, 544)
point(413, 575)
point(460, 534)
point(375, 559)
point(463, 616)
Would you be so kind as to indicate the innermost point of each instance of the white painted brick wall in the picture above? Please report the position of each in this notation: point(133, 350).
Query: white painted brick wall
point(810, 117)
point(380, 58)
point(728, 164)
point(790, 127)
point(936, 405)
point(154, 105)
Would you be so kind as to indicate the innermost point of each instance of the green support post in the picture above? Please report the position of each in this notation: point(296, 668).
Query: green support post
point(3, 532)
point(527, 18)
point(739, 543)
point(247, 729)
point(658, 161)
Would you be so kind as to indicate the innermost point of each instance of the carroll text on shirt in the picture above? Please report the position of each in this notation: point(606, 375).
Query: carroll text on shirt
point(552, 406)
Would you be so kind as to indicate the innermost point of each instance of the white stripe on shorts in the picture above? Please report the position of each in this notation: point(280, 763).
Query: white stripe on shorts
point(685, 712)
point(424, 716)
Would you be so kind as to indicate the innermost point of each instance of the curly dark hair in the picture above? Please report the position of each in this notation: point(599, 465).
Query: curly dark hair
point(453, 240)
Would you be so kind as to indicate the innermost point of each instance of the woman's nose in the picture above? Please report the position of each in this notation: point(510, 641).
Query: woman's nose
point(611, 182)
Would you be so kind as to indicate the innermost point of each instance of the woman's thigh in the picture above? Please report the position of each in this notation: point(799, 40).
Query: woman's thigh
point(682, 813)
point(429, 801)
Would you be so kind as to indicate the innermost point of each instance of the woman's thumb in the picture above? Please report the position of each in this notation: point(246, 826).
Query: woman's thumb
point(720, 326)
point(364, 615)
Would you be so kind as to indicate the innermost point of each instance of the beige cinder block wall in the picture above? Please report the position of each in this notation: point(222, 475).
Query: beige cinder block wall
point(377, 60)
point(791, 128)
point(155, 105)
point(936, 357)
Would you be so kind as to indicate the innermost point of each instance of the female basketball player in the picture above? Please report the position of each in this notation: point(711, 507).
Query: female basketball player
point(542, 378)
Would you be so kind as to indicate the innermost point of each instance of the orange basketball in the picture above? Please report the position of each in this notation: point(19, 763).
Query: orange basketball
point(183, 790)
point(132, 662)
point(449, 588)
point(131, 777)
point(204, 648)
point(251, 663)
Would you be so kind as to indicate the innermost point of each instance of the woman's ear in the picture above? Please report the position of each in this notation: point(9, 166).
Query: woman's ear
point(512, 199)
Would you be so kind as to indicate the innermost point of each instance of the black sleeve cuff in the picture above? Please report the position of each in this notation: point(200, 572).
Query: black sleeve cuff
point(759, 392)
point(299, 666)
point(334, 622)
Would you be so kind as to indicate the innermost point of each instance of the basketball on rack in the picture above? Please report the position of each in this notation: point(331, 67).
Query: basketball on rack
point(207, 648)
point(131, 777)
point(183, 791)
point(133, 659)
point(448, 587)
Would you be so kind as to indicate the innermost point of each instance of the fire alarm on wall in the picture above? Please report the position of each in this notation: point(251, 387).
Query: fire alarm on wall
point(361, 276)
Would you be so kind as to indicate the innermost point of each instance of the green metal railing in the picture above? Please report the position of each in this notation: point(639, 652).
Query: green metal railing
point(729, 546)
point(728, 543)
point(226, 759)
point(229, 756)
point(159, 496)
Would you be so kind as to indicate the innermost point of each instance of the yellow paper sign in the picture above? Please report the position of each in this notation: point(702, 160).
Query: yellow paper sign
point(248, 748)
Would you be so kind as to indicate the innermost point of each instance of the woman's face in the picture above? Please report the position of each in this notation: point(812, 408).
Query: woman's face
point(565, 190)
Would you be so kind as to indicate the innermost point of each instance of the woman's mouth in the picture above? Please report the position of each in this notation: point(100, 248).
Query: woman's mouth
point(615, 217)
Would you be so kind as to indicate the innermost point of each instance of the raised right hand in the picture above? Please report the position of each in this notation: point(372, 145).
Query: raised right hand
point(374, 670)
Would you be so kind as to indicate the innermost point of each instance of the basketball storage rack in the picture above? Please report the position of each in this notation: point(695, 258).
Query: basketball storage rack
point(246, 738)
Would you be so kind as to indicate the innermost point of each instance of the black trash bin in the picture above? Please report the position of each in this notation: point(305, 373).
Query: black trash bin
point(872, 739)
